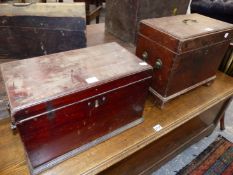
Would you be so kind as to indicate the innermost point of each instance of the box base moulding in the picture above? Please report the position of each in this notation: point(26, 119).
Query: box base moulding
point(50, 164)
point(160, 100)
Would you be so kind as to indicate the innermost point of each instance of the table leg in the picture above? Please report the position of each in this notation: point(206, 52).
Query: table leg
point(97, 4)
point(221, 113)
point(222, 123)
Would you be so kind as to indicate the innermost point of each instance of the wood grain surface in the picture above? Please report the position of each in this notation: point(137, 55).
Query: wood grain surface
point(104, 155)
point(178, 112)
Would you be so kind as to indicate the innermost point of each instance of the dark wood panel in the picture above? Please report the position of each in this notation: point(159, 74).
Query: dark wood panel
point(123, 16)
point(29, 36)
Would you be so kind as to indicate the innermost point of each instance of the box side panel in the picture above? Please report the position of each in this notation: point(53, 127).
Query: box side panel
point(50, 136)
point(160, 37)
point(155, 53)
point(121, 18)
point(193, 67)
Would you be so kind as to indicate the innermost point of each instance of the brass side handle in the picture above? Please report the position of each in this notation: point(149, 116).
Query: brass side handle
point(145, 55)
point(158, 64)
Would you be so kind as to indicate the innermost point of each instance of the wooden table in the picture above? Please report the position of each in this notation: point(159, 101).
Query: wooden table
point(140, 149)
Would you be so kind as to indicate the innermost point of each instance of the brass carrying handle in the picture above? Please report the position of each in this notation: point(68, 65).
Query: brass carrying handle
point(189, 20)
point(145, 56)
point(158, 64)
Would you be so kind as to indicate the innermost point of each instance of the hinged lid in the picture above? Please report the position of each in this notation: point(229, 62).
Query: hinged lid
point(176, 32)
point(37, 80)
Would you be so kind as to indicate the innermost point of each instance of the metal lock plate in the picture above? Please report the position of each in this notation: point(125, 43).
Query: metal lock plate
point(97, 102)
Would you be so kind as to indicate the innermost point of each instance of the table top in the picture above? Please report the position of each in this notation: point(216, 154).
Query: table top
point(104, 155)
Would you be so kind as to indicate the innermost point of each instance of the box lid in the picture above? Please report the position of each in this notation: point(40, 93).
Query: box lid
point(44, 9)
point(173, 30)
point(33, 81)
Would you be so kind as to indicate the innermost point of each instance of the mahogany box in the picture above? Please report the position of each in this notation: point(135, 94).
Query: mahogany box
point(185, 52)
point(65, 103)
point(29, 30)
point(123, 16)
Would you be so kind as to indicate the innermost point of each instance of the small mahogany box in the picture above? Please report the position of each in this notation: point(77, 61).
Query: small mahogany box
point(64, 103)
point(184, 50)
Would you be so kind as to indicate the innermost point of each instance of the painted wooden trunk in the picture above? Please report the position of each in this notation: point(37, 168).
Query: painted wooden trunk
point(40, 29)
point(184, 50)
point(64, 103)
point(123, 16)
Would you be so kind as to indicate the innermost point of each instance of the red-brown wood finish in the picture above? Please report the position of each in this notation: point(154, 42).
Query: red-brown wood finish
point(73, 112)
point(46, 138)
point(190, 51)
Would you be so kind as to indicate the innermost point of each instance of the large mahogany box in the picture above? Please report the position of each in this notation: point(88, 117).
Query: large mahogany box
point(64, 103)
point(123, 16)
point(29, 30)
point(185, 51)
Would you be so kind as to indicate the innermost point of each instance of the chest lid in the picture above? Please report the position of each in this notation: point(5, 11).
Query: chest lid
point(186, 32)
point(33, 81)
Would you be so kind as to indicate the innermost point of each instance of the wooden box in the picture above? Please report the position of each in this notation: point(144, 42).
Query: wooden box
point(65, 103)
point(41, 28)
point(184, 50)
point(123, 16)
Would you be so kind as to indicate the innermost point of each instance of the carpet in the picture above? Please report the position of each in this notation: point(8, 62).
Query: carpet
point(216, 159)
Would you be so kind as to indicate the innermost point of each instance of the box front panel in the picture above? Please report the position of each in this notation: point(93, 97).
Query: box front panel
point(53, 134)
point(155, 53)
point(29, 42)
point(196, 66)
